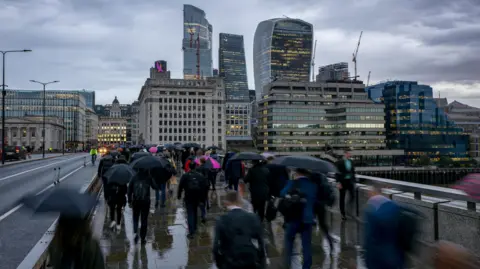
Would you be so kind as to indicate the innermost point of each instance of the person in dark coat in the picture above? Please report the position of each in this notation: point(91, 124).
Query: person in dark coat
point(238, 230)
point(195, 186)
point(346, 182)
point(117, 199)
point(105, 164)
point(73, 245)
point(233, 173)
point(257, 178)
point(277, 177)
point(138, 197)
point(121, 159)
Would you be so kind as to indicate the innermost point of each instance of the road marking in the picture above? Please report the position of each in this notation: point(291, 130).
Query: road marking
point(13, 210)
point(40, 167)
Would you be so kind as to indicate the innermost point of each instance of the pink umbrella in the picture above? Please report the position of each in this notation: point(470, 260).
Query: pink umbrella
point(153, 150)
point(210, 162)
point(470, 184)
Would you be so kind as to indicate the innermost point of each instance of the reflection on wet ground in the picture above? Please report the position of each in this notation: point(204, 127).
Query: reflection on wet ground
point(168, 247)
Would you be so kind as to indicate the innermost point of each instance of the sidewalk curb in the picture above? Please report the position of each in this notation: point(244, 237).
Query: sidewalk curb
point(32, 160)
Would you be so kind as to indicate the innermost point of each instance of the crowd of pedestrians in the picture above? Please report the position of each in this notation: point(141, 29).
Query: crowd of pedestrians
point(295, 189)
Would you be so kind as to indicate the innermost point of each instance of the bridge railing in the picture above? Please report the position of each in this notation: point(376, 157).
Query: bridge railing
point(38, 257)
point(449, 214)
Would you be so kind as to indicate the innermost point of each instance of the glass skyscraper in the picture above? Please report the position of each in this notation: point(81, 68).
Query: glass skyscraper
point(416, 124)
point(197, 31)
point(233, 68)
point(282, 50)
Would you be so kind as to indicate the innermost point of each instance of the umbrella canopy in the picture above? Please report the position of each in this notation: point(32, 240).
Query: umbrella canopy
point(139, 155)
point(306, 162)
point(213, 148)
point(114, 153)
point(210, 163)
point(169, 147)
point(66, 201)
point(267, 155)
point(177, 143)
point(191, 145)
point(120, 174)
point(470, 184)
point(247, 156)
point(150, 162)
point(153, 150)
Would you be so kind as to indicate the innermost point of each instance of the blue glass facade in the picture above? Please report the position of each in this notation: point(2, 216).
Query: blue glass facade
point(233, 68)
point(282, 50)
point(197, 31)
point(415, 123)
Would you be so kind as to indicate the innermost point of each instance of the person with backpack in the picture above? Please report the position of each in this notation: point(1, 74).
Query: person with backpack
point(238, 241)
point(384, 233)
point(195, 186)
point(325, 197)
point(257, 178)
point(139, 200)
point(297, 206)
point(105, 164)
point(116, 201)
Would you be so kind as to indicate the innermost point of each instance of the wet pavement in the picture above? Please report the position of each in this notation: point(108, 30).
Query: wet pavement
point(168, 247)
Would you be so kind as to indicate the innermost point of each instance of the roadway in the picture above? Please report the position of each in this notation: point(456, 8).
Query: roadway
point(20, 230)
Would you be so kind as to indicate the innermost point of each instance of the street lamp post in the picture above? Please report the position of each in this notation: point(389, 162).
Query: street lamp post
point(64, 133)
point(4, 93)
point(44, 84)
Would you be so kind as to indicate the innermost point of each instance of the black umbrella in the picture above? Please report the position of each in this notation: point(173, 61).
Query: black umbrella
point(139, 155)
point(120, 174)
point(191, 145)
point(213, 148)
point(150, 162)
point(306, 162)
point(66, 201)
point(177, 143)
point(247, 156)
point(169, 147)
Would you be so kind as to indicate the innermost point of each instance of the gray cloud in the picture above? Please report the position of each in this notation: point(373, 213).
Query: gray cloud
point(109, 45)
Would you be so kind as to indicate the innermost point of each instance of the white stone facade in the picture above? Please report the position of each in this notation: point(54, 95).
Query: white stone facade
point(27, 131)
point(180, 110)
point(113, 129)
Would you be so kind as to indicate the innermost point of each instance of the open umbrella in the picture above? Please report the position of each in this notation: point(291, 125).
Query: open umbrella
point(120, 174)
point(266, 155)
point(470, 184)
point(247, 156)
point(66, 201)
point(150, 162)
point(139, 155)
point(306, 162)
point(114, 153)
point(169, 147)
point(213, 148)
point(191, 145)
point(177, 143)
point(210, 163)
point(153, 150)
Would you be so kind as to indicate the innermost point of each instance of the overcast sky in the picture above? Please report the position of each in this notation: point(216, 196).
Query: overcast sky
point(109, 45)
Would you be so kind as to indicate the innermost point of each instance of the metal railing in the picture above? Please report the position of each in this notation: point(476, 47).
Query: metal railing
point(38, 257)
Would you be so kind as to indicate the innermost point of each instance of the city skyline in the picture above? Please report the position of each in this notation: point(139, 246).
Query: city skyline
point(86, 45)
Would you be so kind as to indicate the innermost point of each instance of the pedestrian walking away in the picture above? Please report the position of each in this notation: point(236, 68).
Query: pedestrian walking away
point(257, 178)
point(139, 200)
point(346, 183)
point(105, 164)
point(116, 201)
point(195, 186)
point(238, 241)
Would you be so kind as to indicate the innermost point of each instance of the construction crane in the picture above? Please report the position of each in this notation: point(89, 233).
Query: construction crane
point(354, 60)
point(313, 61)
point(368, 79)
point(191, 32)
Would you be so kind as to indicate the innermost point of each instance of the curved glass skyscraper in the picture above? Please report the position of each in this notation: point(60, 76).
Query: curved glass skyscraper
point(282, 50)
point(197, 31)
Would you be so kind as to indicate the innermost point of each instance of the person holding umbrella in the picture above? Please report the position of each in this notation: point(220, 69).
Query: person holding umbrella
point(73, 244)
point(118, 176)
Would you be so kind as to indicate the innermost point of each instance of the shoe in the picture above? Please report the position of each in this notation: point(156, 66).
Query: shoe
point(135, 239)
point(344, 218)
point(112, 224)
point(119, 228)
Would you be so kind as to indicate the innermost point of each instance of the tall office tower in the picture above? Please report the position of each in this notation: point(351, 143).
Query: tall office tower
point(197, 44)
point(282, 50)
point(333, 72)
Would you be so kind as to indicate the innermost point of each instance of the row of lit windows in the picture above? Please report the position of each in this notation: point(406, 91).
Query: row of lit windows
point(320, 133)
point(328, 141)
point(364, 109)
point(297, 110)
point(328, 126)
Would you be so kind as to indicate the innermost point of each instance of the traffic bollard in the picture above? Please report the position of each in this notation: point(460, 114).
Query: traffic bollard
point(84, 161)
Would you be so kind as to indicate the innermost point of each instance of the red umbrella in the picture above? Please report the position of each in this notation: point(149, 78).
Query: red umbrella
point(470, 184)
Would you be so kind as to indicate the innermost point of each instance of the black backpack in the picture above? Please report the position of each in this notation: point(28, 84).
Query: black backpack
point(293, 205)
point(194, 186)
point(243, 250)
point(106, 164)
point(408, 228)
point(141, 190)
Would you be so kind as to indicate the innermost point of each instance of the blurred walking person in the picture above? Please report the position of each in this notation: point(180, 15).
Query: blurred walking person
point(105, 163)
point(139, 200)
point(116, 201)
point(204, 206)
point(346, 182)
point(195, 186)
point(238, 242)
point(452, 256)
point(257, 178)
point(73, 245)
point(235, 170)
point(297, 207)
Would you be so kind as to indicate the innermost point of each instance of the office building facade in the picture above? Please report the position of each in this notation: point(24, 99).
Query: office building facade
point(196, 44)
point(415, 123)
point(323, 119)
point(282, 50)
point(181, 110)
point(67, 105)
point(132, 125)
point(333, 72)
point(113, 128)
point(91, 128)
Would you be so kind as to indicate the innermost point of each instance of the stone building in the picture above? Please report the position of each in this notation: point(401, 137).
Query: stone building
point(27, 131)
point(113, 128)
